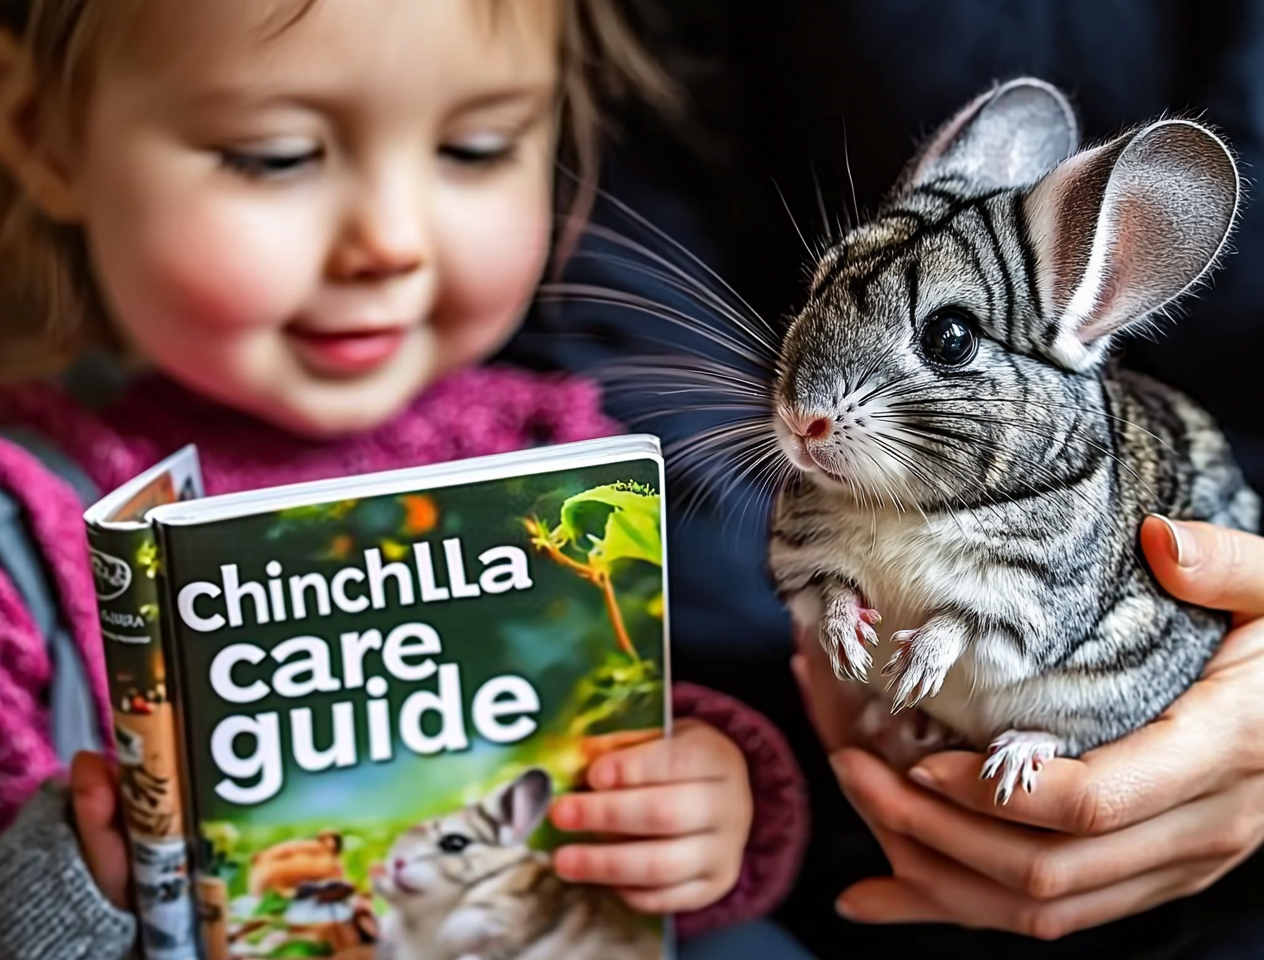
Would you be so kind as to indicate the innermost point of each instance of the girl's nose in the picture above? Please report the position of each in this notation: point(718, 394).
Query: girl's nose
point(384, 237)
point(377, 257)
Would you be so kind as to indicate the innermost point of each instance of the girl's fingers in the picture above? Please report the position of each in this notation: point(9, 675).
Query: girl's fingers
point(684, 897)
point(661, 811)
point(695, 751)
point(94, 799)
point(643, 863)
point(93, 786)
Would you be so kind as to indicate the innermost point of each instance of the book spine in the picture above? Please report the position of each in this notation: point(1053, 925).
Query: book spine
point(125, 563)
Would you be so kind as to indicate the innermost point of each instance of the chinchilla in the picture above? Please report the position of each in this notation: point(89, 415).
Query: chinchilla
point(971, 463)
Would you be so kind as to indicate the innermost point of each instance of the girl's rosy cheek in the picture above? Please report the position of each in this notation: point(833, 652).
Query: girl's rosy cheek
point(227, 277)
point(495, 279)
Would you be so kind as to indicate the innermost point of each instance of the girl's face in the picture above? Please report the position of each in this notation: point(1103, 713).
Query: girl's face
point(311, 223)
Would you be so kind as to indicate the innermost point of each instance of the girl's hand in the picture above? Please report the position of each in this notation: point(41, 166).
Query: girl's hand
point(95, 806)
point(1160, 814)
point(679, 813)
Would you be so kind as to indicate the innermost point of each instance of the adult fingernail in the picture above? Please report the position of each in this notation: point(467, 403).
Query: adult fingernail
point(1182, 548)
point(923, 777)
point(846, 909)
point(842, 769)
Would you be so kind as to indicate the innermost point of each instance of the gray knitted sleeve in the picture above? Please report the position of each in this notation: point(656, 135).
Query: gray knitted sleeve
point(50, 907)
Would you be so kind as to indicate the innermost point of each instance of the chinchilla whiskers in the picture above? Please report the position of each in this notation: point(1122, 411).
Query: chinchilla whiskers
point(1079, 410)
point(923, 477)
point(692, 259)
point(689, 286)
point(717, 460)
point(896, 502)
point(718, 435)
point(717, 446)
point(892, 386)
point(831, 235)
point(1038, 469)
point(872, 491)
point(932, 413)
point(851, 180)
point(946, 464)
point(740, 410)
point(676, 376)
point(909, 492)
point(757, 456)
point(778, 477)
point(813, 254)
point(766, 468)
point(609, 296)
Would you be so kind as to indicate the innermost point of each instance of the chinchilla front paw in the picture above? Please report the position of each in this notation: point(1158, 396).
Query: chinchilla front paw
point(1017, 756)
point(922, 659)
point(846, 631)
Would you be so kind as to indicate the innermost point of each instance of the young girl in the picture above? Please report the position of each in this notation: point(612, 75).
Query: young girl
point(300, 226)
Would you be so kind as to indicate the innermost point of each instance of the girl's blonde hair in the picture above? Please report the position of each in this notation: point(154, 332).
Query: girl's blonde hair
point(50, 308)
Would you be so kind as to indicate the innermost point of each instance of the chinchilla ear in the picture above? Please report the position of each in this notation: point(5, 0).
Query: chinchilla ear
point(1122, 230)
point(520, 806)
point(1009, 137)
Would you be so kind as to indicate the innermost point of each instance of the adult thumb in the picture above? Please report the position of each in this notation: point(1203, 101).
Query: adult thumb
point(1211, 566)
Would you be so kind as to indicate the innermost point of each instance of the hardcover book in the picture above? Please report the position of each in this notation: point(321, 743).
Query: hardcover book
point(343, 709)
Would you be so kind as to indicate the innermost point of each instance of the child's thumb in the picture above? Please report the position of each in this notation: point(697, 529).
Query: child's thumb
point(94, 799)
point(93, 786)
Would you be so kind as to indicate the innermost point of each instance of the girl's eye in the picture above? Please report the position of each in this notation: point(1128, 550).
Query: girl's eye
point(949, 339)
point(478, 154)
point(453, 843)
point(268, 164)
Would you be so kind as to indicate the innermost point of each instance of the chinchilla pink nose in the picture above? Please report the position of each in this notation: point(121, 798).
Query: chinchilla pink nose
point(818, 428)
point(806, 426)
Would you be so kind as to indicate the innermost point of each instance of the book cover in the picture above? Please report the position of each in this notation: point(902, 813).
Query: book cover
point(381, 689)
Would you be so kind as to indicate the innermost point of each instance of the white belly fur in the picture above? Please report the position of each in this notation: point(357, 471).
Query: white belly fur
point(907, 570)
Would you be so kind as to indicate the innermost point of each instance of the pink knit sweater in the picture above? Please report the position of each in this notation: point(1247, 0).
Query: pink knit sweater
point(476, 412)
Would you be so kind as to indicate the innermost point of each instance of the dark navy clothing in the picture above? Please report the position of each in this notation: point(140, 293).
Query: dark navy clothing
point(780, 89)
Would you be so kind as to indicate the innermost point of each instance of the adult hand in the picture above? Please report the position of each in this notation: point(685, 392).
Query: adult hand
point(1160, 814)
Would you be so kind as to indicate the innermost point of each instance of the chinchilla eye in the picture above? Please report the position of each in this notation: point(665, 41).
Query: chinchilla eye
point(948, 338)
point(453, 843)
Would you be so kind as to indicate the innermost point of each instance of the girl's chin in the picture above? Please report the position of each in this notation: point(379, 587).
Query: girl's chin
point(334, 410)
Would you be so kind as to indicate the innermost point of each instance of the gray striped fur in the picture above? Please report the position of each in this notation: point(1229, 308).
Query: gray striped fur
point(989, 511)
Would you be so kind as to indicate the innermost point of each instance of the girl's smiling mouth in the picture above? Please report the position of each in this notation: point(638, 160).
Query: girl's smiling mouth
point(347, 352)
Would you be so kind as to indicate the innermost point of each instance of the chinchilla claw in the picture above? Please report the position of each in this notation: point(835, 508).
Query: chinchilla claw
point(1015, 757)
point(870, 616)
point(917, 669)
point(846, 635)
